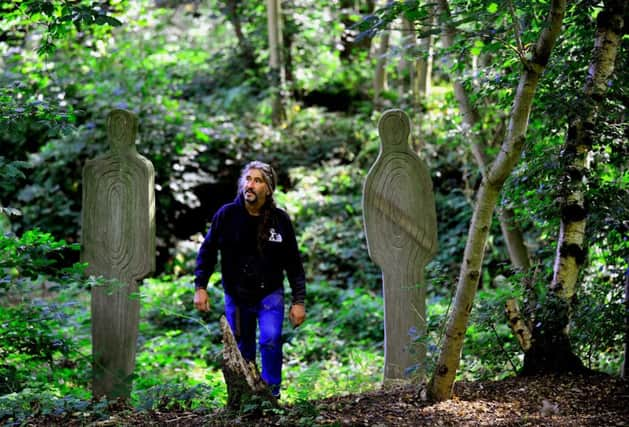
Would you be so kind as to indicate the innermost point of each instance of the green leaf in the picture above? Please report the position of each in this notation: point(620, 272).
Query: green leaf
point(477, 48)
point(492, 8)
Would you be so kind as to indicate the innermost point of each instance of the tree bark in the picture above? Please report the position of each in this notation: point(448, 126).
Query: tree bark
point(423, 70)
point(518, 324)
point(276, 65)
point(443, 377)
point(514, 239)
point(246, 50)
point(624, 373)
point(380, 78)
point(406, 68)
point(546, 355)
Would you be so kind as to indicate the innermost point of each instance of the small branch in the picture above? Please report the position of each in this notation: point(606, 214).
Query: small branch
point(516, 30)
point(178, 420)
point(502, 347)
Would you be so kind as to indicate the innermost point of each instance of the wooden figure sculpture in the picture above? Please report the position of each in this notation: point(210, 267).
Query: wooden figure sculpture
point(401, 230)
point(118, 243)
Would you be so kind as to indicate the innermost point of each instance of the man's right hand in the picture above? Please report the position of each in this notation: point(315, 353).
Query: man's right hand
point(201, 300)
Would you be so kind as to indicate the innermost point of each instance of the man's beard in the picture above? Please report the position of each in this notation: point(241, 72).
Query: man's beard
point(252, 200)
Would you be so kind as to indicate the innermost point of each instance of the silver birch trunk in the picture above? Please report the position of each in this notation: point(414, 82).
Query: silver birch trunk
point(442, 381)
point(551, 350)
point(570, 249)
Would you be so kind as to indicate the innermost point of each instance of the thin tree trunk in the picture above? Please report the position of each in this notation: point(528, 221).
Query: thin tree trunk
point(276, 66)
point(419, 68)
point(380, 79)
point(624, 373)
point(443, 377)
point(423, 71)
point(406, 68)
point(546, 355)
point(513, 236)
point(246, 50)
point(514, 239)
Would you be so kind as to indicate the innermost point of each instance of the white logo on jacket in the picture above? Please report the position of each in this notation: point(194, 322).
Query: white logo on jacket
point(275, 237)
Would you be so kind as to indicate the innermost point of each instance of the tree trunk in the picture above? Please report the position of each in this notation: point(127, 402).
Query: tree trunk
point(406, 68)
point(511, 233)
point(443, 378)
point(423, 70)
point(551, 346)
point(624, 373)
point(518, 325)
point(514, 239)
point(276, 65)
point(246, 50)
point(289, 29)
point(244, 384)
point(380, 78)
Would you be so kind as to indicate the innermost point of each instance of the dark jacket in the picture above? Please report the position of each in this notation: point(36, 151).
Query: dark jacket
point(249, 275)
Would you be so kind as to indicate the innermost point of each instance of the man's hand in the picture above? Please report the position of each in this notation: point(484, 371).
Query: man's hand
point(297, 314)
point(201, 300)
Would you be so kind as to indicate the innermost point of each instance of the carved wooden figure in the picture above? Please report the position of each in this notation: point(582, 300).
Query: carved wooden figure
point(401, 230)
point(118, 243)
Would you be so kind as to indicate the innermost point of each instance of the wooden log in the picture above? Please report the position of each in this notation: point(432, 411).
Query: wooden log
point(244, 384)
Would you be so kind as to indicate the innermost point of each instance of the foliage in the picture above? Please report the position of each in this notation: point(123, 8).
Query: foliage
point(32, 254)
point(58, 18)
point(10, 173)
point(43, 25)
point(33, 349)
point(491, 346)
point(17, 409)
point(599, 310)
point(177, 397)
point(326, 206)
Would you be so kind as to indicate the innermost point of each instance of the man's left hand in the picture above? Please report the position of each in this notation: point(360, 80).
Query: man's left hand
point(297, 314)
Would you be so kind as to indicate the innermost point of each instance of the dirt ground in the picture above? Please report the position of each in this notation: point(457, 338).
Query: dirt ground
point(594, 400)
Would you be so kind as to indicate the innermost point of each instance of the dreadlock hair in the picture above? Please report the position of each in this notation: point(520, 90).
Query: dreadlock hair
point(270, 179)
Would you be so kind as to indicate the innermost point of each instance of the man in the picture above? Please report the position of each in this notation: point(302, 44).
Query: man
point(257, 245)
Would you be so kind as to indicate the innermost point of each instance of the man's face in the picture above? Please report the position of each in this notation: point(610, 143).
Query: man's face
point(254, 188)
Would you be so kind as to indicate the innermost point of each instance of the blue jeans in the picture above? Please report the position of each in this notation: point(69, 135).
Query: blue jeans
point(269, 314)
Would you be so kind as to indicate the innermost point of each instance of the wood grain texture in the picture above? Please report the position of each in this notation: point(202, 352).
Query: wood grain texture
point(401, 230)
point(118, 243)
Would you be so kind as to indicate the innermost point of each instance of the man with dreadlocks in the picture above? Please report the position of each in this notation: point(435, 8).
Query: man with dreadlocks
point(257, 245)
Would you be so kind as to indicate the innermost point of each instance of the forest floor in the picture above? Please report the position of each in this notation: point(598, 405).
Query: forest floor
point(594, 400)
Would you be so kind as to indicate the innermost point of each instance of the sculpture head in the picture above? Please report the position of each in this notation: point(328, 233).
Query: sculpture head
point(394, 128)
point(122, 129)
